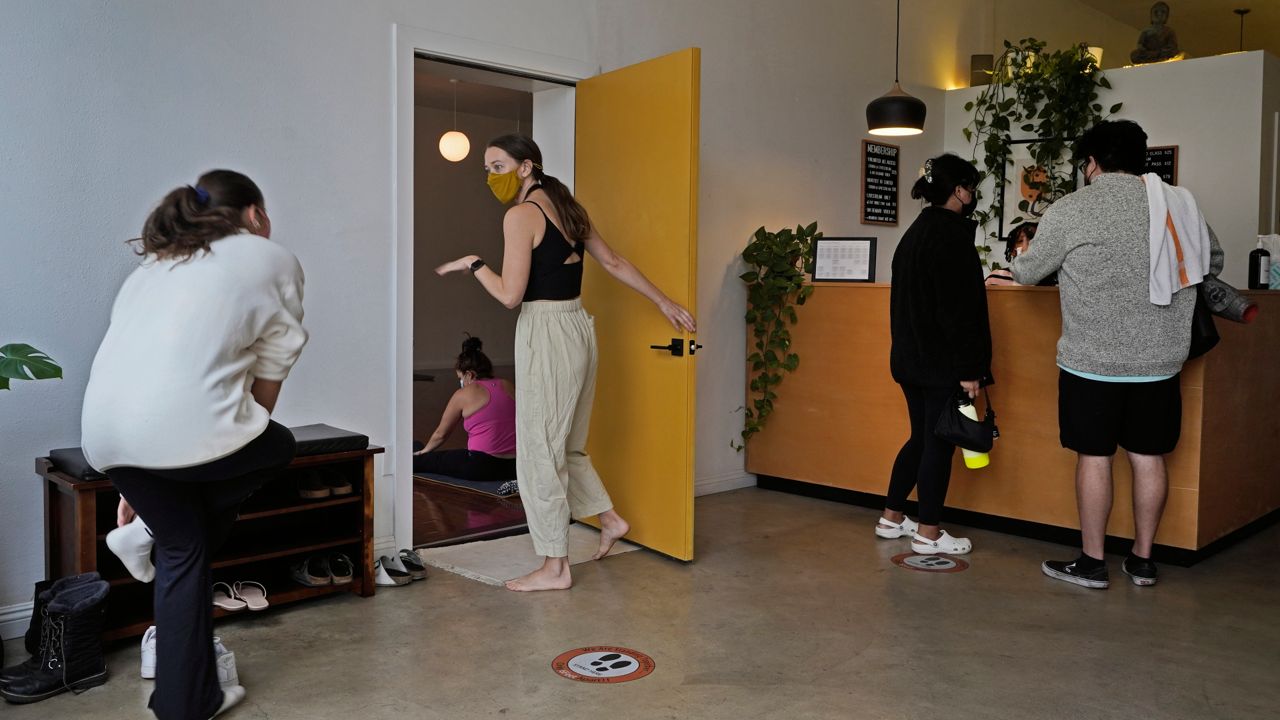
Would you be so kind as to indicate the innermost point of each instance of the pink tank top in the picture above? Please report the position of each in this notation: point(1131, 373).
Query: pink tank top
point(492, 429)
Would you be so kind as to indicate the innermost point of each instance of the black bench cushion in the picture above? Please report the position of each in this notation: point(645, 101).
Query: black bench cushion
point(312, 440)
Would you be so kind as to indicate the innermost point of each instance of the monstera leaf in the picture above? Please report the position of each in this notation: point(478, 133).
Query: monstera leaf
point(19, 361)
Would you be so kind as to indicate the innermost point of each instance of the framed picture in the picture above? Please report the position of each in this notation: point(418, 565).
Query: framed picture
point(1022, 174)
point(844, 259)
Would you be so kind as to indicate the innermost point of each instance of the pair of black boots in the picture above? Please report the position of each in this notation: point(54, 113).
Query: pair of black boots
point(64, 639)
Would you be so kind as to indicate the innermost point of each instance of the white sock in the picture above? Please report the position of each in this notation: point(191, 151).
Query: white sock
point(132, 544)
point(231, 697)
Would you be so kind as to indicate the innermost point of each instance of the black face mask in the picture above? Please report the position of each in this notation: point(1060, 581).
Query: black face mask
point(967, 209)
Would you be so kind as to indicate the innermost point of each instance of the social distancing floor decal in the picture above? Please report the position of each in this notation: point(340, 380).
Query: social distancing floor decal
point(603, 664)
point(930, 563)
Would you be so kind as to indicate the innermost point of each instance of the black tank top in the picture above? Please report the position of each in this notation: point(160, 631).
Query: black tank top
point(550, 278)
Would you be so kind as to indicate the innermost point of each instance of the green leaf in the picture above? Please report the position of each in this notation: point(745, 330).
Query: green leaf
point(1102, 81)
point(968, 106)
point(19, 361)
point(1115, 108)
point(968, 134)
point(749, 277)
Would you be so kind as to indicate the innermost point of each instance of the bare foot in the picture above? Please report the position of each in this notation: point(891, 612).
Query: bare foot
point(612, 528)
point(553, 575)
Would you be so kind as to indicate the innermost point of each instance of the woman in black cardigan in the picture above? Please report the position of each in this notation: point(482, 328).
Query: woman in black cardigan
point(941, 343)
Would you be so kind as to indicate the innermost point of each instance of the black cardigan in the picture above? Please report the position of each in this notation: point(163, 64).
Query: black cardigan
point(938, 304)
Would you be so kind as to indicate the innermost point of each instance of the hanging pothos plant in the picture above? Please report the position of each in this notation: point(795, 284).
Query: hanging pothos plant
point(1050, 96)
point(775, 285)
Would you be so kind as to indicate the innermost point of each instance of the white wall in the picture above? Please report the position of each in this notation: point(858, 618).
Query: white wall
point(1268, 194)
point(455, 215)
point(1211, 108)
point(106, 106)
point(1062, 24)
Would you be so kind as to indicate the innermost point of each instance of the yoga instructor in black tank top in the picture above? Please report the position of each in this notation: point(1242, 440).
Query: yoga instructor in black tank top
point(546, 233)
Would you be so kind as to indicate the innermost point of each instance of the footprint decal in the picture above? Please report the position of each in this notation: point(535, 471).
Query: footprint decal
point(611, 661)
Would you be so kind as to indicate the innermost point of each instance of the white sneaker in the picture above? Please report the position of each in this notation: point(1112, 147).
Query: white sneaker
point(944, 545)
point(132, 544)
point(226, 665)
point(893, 531)
point(148, 671)
point(231, 697)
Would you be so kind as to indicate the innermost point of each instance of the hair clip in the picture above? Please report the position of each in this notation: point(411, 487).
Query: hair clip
point(928, 170)
point(202, 195)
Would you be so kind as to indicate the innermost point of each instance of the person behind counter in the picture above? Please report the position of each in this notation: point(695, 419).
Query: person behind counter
point(941, 344)
point(1016, 243)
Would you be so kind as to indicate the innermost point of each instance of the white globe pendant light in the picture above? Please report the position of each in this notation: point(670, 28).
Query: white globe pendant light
point(454, 145)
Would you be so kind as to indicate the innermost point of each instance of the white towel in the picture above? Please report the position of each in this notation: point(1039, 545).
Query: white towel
point(1179, 239)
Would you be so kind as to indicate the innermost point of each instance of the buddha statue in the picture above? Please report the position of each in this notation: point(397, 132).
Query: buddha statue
point(1158, 42)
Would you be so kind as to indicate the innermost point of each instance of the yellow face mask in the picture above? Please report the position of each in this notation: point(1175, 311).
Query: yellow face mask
point(505, 187)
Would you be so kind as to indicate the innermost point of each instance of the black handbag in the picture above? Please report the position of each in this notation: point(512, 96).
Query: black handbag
point(1204, 334)
point(961, 431)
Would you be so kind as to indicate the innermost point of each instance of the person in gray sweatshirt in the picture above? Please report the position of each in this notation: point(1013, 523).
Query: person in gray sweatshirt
point(1120, 355)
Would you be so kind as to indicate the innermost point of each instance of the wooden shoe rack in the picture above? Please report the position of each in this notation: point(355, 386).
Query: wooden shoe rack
point(276, 529)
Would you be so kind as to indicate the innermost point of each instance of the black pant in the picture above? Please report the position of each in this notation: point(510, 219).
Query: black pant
point(465, 464)
point(924, 463)
point(190, 511)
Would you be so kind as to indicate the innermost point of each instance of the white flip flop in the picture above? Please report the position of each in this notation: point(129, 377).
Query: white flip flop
point(226, 599)
point(252, 594)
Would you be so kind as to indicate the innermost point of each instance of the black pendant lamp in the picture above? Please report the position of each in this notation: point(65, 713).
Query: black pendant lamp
point(896, 112)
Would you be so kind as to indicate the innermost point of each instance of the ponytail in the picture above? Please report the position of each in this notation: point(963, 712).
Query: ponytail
point(574, 217)
point(473, 360)
point(190, 218)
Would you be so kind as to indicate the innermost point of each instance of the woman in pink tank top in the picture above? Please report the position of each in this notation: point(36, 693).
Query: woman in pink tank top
point(486, 407)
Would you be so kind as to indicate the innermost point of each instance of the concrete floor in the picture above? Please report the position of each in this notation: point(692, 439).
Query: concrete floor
point(792, 610)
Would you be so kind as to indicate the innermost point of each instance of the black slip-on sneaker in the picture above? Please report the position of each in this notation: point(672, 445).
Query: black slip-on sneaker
point(1142, 572)
point(1072, 572)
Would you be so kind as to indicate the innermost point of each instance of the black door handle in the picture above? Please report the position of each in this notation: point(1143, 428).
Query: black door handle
point(676, 348)
point(694, 347)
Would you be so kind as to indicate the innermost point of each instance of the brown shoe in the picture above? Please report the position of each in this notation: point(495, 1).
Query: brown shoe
point(337, 484)
point(313, 487)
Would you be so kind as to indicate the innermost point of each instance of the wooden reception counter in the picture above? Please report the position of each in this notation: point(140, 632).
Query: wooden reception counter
point(839, 420)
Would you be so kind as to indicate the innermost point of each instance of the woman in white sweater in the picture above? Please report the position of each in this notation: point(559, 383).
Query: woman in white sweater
point(177, 409)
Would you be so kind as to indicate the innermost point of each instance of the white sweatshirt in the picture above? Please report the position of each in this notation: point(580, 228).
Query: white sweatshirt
point(170, 384)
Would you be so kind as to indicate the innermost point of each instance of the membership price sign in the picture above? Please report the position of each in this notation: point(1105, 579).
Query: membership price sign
point(879, 183)
point(1163, 161)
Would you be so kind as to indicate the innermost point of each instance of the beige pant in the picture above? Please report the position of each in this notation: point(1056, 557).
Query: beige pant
point(555, 386)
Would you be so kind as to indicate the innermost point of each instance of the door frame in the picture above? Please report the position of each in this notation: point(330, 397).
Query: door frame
point(408, 42)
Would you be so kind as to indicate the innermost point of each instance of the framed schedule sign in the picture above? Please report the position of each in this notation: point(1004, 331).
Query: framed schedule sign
point(844, 259)
point(879, 183)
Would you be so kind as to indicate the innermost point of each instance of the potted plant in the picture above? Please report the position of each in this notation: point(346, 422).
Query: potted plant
point(19, 361)
point(775, 285)
point(1051, 96)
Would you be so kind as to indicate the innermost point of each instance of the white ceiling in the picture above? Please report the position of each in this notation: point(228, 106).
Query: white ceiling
point(1204, 27)
point(480, 92)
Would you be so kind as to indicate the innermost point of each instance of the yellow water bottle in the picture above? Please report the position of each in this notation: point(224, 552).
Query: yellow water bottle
point(972, 460)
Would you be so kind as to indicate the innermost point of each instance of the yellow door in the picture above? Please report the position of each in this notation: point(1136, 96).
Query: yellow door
point(637, 174)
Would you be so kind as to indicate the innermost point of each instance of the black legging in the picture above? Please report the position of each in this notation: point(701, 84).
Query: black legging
point(465, 464)
point(190, 512)
point(924, 462)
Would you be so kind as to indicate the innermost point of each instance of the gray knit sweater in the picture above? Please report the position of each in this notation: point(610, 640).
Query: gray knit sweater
point(1097, 238)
